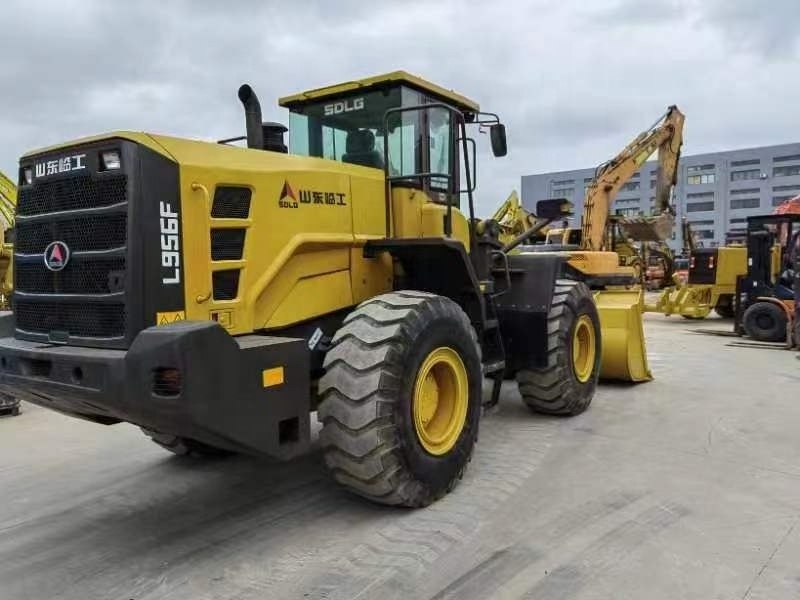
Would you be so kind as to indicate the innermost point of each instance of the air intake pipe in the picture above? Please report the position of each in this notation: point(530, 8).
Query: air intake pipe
point(252, 117)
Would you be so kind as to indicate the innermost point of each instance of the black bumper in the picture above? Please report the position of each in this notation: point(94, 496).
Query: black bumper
point(222, 395)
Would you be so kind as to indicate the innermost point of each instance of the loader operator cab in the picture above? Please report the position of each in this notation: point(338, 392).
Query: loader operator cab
point(410, 128)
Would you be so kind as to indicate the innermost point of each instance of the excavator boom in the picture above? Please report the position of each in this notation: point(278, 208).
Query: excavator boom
point(666, 137)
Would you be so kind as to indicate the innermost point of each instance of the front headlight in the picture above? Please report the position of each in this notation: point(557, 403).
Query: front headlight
point(110, 160)
point(27, 175)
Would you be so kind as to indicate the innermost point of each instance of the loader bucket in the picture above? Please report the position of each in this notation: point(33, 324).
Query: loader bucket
point(624, 355)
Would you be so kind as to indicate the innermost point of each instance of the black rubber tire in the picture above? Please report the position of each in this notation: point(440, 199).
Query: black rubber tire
point(765, 322)
point(692, 318)
point(555, 390)
point(724, 307)
point(369, 442)
point(184, 446)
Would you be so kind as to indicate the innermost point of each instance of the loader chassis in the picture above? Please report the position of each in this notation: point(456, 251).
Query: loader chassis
point(215, 296)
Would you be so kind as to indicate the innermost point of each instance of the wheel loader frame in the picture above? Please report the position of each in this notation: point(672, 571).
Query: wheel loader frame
point(250, 392)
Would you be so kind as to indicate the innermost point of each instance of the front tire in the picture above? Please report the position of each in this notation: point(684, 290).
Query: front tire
point(567, 384)
point(401, 398)
point(765, 322)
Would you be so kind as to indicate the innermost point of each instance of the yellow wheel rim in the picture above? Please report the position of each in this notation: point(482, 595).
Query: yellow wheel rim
point(583, 348)
point(439, 404)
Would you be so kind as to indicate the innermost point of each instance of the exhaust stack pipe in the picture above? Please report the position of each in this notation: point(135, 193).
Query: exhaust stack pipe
point(252, 117)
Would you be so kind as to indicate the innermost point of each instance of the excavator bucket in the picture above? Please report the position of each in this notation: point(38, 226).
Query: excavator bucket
point(624, 355)
point(648, 229)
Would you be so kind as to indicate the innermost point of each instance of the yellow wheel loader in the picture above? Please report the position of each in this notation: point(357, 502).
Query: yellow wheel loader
point(216, 295)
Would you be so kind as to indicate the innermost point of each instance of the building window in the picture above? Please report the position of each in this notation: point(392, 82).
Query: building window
point(652, 183)
point(746, 203)
point(630, 186)
point(705, 234)
point(588, 179)
point(563, 192)
point(564, 182)
point(698, 168)
point(701, 223)
point(791, 157)
point(786, 188)
point(627, 201)
point(746, 163)
point(738, 221)
point(628, 212)
point(698, 179)
point(699, 195)
point(786, 171)
point(778, 200)
point(745, 191)
point(635, 175)
point(699, 206)
point(746, 174)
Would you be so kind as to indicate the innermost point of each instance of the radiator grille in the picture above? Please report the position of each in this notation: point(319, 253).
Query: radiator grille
point(76, 318)
point(231, 202)
point(227, 244)
point(41, 302)
point(225, 284)
point(102, 276)
point(71, 193)
point(94, 232)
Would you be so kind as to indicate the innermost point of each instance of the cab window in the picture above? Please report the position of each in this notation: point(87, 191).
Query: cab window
point(352, 129)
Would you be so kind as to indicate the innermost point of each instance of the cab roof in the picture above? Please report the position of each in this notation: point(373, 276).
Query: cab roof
point(378, 82)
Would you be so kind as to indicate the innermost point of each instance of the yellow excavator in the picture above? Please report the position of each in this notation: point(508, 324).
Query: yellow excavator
point(618, 233)
point(666, 137)
point(8, 204)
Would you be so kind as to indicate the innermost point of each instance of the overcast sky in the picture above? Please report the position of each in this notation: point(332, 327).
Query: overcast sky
point(573, 80)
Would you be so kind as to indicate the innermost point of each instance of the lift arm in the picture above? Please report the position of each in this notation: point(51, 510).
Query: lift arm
point(666, 136)
point(512, 216)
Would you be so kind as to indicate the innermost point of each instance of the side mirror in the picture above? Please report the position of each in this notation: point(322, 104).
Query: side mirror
point(497, 134)
point(554, 208)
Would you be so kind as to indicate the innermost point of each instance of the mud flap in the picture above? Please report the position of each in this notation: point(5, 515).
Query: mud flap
point(624, 355)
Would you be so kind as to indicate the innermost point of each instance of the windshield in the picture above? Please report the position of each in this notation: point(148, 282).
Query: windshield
point(352, 130)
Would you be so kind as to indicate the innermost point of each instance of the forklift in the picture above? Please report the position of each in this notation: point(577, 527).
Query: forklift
point(766, 296)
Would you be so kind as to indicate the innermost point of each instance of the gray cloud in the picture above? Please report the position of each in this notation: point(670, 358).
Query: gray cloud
point(574, 81)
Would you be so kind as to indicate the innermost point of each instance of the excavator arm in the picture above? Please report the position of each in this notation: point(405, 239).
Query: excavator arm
point(666, 137)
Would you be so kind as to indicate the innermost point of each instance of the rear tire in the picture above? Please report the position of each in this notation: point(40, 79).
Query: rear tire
point(567, 384)
point(375, 441)
point(765, 322)
point(181, 446)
